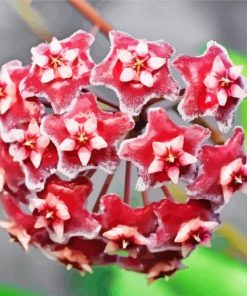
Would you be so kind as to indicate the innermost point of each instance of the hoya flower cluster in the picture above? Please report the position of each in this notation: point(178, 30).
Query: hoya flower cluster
point(55, 135)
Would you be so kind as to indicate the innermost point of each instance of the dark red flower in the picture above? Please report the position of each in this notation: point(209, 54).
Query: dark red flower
point(21, 112)
point(165, 151)
point(18, 223)
point(10, 171)
point(125, 227)
point(86, 136)
point(215, 163)
point(233, 177)
point(77, 253)
point(60, 210)
point(182, 226)
point(137, 70)
point(33, 150)
point(60, 70)
point(214, 85)
point(8, 88)
point(154, 265)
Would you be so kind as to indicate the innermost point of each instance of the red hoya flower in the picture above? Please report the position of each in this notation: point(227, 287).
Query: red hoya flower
point(214, 85)
point(218, 173)
point(137, 70)
point(72, 258)
point(165, 151)
point(10, 171)
point(60, 210)
point(29, 144)
point(33, 150)
point(125, 227)
point(155, 265)
point(182, 226)
point(195, 232)
point(233, 177)
point(60, 70)
point(51, 213)
point(77, 253)
point(7, 89)
point(21, 111)
point(86, 136)
point(18, 223)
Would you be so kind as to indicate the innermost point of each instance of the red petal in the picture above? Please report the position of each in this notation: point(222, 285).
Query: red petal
point(160, 128)
point(62, 93)
point(133, 94)
point(207, 185)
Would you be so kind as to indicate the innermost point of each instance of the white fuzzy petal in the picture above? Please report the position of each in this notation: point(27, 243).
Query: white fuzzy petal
point(146, 78)
point(98, 143)
point(84, 155)
point(127, 74)
point(47, 76)
point(124, 56)
point(142, 48)
point(55, 46)
point(67, 145)
point(156, 62)
point(65, 72)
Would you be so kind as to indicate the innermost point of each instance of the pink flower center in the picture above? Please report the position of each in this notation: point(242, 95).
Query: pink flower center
point(49, 213)
point(82, 138)
point(225, 82)
point(237, 180)
point(170, 157)
point(139, 64)
point(198, 236)
point(30, 143)
point(2, 91)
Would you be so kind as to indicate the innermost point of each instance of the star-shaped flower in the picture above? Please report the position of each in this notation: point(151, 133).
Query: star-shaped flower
point(18, 224)
point(182, 226)
point(125, 227)
point(195, 232)
point(233, 177)
point(154, 265)
point(51, 213)
point(59, 209)
point(33, 150)
point(29, 144)
point(7, 89)
point(137, 70)
point(215, 162)
point(214, 85)
point(11, 172)
point(165, 151)
point(21, 112)
point(78, 253)
point(86, 136)
point(72, 258)
point(60, 70)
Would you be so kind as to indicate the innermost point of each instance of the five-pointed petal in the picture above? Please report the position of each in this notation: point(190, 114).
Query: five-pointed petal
point(137, 70)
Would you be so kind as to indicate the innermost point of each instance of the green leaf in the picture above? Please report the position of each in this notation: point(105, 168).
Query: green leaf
point(9, 291)
point(128, 283)
point(211, 273)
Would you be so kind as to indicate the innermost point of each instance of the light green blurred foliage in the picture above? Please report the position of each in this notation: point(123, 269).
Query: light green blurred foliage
point(209, 273)
point(6, 290)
